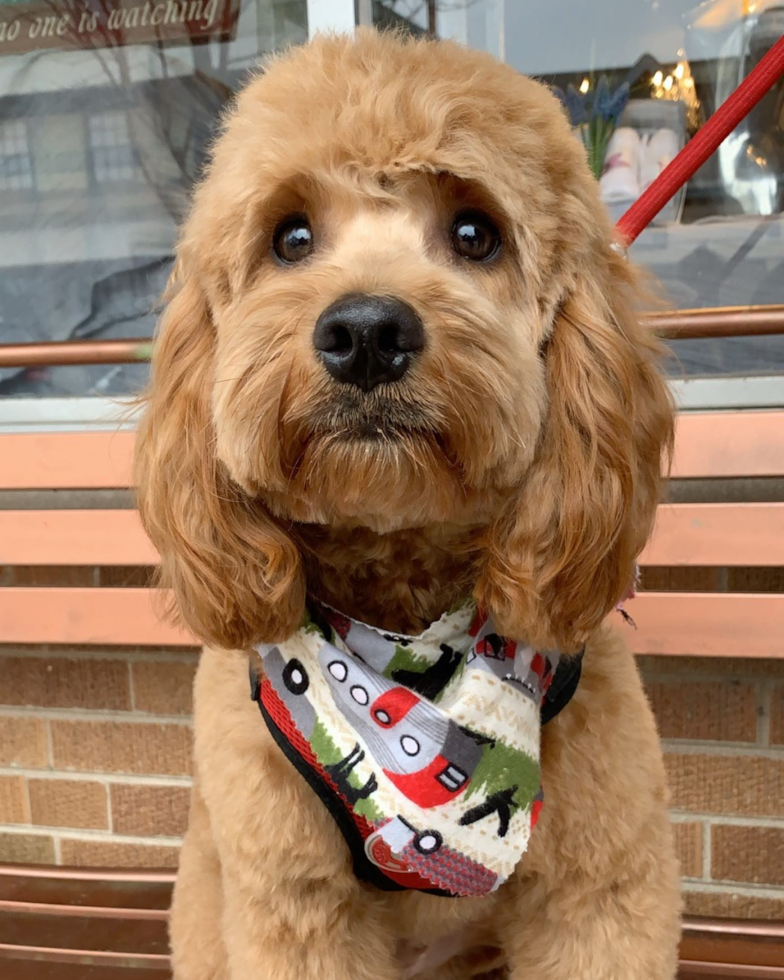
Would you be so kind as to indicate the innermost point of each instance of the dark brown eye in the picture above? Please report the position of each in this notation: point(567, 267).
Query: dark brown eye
point(475, 237)
point(293, 240)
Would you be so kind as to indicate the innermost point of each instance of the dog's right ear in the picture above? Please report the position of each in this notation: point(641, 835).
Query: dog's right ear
point(235, 575)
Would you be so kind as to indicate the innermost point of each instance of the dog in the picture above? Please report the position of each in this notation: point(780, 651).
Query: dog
point(401, 364)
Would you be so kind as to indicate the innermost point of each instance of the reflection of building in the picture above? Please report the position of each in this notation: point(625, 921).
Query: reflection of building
point(99, 149)
point(721, 254)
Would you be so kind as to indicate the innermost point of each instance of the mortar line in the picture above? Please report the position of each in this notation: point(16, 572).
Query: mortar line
point(105, 778)
point(707, 849)
point(131, 688)
point(721, 888)
point(93, 714)
point(764, 698)
point(92, 836)
point(734, 750)
point(727, 819)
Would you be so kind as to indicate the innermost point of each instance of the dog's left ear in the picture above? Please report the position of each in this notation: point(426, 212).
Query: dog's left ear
point(562, 555)
point(234, 572)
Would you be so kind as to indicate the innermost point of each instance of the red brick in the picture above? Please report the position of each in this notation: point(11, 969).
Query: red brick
point(113, 746)
point(729, 905)
point(13, 800)
point(777, 716)
point(68, 803)
point(742, 667)
point(716, 710)
point(748, 854)
point(23, 742)
point(688, 844)
point(747, 785)
point(26, 849)
point(114, 854)
point(64, 682)
point(164, 688)
point(149, 811)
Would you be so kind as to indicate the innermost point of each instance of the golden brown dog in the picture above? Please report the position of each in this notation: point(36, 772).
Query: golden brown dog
point(503, 437)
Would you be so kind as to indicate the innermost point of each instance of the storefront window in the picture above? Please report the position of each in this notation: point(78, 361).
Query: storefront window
point(721, 243)
point(106, 110)
point(107, 107)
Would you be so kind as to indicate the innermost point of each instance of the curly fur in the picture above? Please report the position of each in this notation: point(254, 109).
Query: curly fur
point(518, 459)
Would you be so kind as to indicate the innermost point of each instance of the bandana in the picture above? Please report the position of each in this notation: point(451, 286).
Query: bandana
point(424, 748)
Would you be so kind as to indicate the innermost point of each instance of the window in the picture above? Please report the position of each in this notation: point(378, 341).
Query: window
point(105, 131)
point(100, 147)
point(721, 242)
point(111, 147)
point(16, 165)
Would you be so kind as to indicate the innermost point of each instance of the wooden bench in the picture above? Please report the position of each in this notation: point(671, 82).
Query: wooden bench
point(57, 924)
point(709, 446)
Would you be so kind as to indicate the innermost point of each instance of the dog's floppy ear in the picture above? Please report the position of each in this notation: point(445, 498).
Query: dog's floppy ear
point(562, 555)
point(235, 575)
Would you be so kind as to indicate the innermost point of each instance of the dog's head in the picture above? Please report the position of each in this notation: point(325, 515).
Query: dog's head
point(396, 305)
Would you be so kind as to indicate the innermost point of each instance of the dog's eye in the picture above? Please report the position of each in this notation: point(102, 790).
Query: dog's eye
point(475, 237)
point(293, 240)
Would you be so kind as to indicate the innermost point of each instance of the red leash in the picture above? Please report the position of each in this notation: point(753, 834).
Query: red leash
point(762, 78)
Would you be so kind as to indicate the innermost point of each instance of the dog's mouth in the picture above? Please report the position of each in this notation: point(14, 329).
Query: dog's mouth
point(374, 419)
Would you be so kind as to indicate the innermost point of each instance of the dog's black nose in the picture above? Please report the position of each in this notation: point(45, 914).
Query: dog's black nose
point(364, 340)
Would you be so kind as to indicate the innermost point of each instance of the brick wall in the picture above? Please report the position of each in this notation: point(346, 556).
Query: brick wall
point(722, 724)
point(95, 756)
point(95, 765)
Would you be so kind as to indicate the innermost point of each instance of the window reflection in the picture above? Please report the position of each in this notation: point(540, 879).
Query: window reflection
point(720, 242)
point(104, 130)
point(107, 108)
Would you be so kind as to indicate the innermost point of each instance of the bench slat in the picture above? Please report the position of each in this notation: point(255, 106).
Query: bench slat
point(698, 624)
point(707, 624)
point(117, 931)
point(685, 534)
point(74, 537)
point(65, 460)
point(708, 444)
point(717, 534)
point(106, 617)
point(729, 444)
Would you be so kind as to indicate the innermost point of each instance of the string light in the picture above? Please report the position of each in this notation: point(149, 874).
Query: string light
point(678, 87)
point(584, 86)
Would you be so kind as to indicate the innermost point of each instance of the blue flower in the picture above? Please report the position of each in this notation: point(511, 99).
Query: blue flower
point(609, 105)
point(577, 106)
point(601, 98)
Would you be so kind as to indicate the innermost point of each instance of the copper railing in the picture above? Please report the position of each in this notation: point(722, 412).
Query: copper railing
point(727, 321)
point(724, 321)
point(75, 352)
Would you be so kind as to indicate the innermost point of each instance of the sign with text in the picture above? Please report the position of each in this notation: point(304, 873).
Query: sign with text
point(69, 25)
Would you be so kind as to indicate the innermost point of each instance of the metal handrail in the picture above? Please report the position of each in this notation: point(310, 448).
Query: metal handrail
point(726, 321)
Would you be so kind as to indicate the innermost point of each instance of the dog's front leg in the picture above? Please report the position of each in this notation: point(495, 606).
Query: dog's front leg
point(597, 896)
point(627, 930)
point(306, 930)
point(195, 920)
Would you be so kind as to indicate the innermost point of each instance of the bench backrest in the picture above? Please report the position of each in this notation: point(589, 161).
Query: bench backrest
point(709, 446)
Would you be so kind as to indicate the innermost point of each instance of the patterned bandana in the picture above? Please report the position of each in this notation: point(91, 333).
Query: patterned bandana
point(424, 748)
